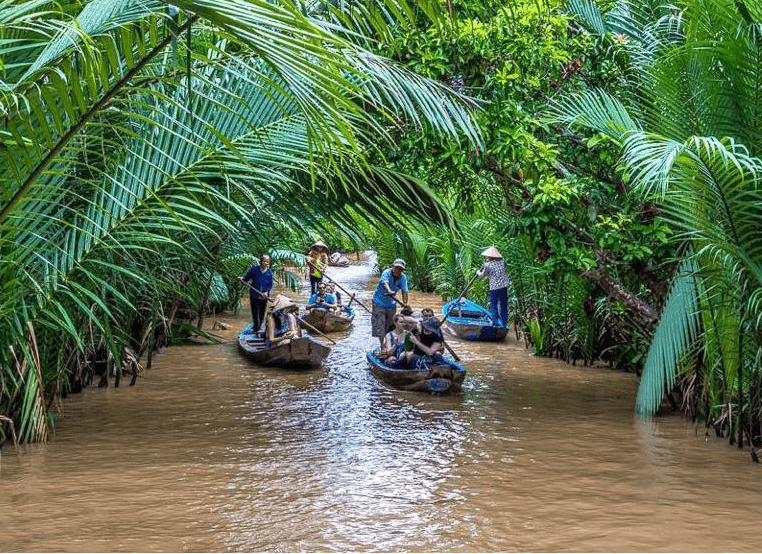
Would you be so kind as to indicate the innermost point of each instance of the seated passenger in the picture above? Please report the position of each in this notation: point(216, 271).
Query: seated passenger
point(331, 289)
point(281, 324)
point(426, 345)
point(426, 313)
point(394, 341)
point(321, 300)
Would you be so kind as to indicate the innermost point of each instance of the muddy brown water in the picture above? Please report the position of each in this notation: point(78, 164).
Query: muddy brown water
point(211, 453)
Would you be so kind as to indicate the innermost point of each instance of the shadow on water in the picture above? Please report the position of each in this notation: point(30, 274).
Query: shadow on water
point(212, 453)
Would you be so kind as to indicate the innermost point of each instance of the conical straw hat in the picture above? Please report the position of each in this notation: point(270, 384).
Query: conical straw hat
point(280, 303)
point(320, 244)
point(492, 252)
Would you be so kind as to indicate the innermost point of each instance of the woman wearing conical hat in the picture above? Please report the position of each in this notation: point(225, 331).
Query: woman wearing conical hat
point(317, 259)
point(494, 268)
point(281, 324)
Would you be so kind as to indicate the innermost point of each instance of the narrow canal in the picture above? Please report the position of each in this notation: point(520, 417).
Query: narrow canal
point(211, 453)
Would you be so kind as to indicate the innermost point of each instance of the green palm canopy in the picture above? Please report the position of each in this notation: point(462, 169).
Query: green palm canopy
point(144, 142)
point(689, 133)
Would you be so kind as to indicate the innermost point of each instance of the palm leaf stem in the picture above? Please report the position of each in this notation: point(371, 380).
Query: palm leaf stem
point(74, 130)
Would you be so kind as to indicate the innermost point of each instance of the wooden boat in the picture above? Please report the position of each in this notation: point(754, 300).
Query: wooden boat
point(468, 320)
point(299, 353)
point(329, 322)
point(440, 378)
point(338, 259)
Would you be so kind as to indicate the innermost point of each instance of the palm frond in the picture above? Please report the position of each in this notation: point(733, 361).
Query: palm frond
point(594, 110)
point(677, 330)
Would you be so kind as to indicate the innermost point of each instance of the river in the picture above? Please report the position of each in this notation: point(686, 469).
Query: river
point(212, 453)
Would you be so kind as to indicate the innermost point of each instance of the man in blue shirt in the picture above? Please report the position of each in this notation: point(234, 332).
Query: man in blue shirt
point(260, 277)
point(384, 306)
point(321, 300)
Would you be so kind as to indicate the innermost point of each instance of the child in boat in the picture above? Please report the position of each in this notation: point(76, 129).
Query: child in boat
point(281, 324)
point(394, 341)
point(331, 289)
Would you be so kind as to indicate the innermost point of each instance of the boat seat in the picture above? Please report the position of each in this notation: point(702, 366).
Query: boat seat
point(471, 315)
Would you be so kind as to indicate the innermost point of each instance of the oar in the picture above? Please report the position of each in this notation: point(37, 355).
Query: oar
point(450, 350)
point(397, 300)
point(254, 289)
point(444, 342)
point(301, 320)
point(339, 286)
point(462, 294)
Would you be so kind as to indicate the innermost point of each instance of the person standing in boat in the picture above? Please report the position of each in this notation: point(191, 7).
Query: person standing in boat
point(259, 277)
point(384, 306)
point(281, 324)
point(321, 300)
point(317, 261)
point(494, 268)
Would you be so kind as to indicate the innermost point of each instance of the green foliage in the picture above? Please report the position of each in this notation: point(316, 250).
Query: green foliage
point(689, 139)
point(559, 199)
point(134, 181)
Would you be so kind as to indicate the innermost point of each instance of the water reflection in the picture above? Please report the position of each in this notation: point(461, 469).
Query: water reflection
point(212, 453)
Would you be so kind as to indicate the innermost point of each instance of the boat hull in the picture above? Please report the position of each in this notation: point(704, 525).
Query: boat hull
point(298, 353)
point(440, 378)
point(328, 322)
point(470, 321)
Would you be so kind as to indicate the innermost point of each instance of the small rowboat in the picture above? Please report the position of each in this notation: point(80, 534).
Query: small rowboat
point(441, 378)
point(299, 353)
point(468, 320)
point(338, 259)
point(327, 321)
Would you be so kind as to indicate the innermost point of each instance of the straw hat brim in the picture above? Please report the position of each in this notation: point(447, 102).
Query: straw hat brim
point(320, 245)
point(281, 302)
point(492, 252)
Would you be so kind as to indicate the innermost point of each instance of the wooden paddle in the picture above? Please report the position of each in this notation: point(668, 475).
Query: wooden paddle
point(301, 320)
point(255, 290)
point(352, 296)
point(444, 342)
point(462, 294)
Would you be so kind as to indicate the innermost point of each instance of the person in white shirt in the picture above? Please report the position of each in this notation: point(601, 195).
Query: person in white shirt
point(494, 268)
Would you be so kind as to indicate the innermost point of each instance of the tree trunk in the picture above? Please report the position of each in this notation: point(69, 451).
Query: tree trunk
point(644, 315)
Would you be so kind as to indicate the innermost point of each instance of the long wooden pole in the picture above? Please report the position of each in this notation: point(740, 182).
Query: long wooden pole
point(255, 289)
point(300, 320)
point(339, 286)
point(462, 294)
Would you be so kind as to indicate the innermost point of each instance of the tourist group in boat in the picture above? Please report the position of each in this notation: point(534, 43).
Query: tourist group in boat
point(412, 352)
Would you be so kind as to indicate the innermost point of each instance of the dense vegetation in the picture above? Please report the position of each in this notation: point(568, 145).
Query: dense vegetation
point(614, 166)
point(620, 176)
point(588, 258)
point(149, 152)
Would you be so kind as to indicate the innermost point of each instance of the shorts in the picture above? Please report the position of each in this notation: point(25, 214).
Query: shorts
point(382, 320)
